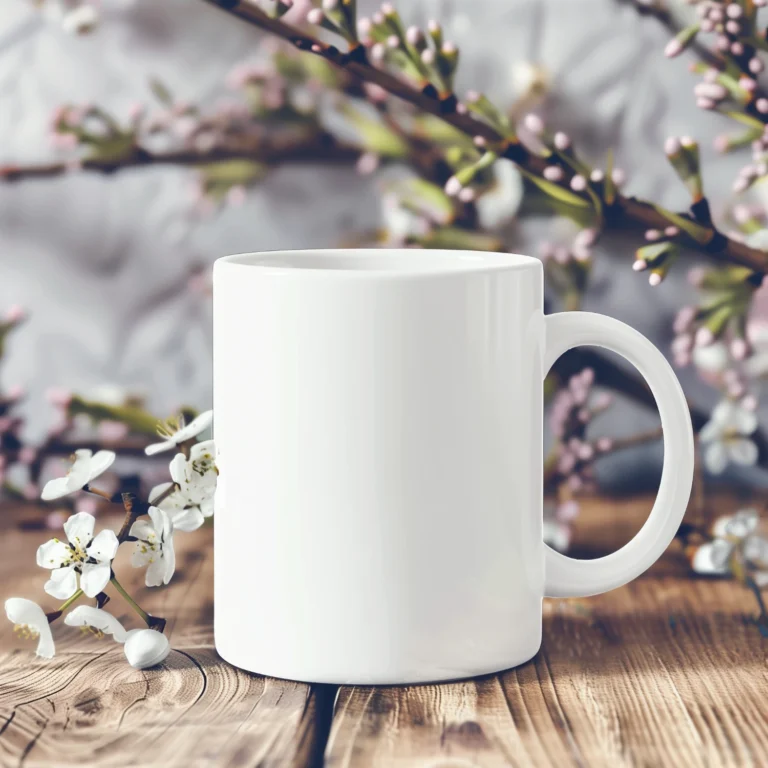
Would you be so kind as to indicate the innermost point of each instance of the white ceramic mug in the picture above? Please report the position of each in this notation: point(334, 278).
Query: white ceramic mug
point(379, 429)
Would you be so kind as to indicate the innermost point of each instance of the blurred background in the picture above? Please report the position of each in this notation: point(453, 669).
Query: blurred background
point(105, 276)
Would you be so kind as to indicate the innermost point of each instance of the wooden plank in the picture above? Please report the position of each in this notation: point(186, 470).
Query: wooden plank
point(669, 670)
point(88, 707)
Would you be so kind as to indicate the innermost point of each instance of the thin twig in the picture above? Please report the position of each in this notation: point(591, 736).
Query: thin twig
point(719, 246)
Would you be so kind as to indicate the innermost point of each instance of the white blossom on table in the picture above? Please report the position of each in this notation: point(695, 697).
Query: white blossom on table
point(30, 622)
point(143, 648)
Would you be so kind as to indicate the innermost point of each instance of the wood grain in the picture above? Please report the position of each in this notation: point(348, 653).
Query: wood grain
point(87, 706)
point(667, 671)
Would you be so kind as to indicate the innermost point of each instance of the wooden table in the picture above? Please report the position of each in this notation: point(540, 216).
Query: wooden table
point(667, 671)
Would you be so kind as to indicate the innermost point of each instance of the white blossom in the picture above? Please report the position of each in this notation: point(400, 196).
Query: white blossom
point(86, 467)
point(726, 436)
point(143, 648)
point(734, 533)
point(80, 20)
point(196, 476)
point(31, 622)
point(500, 203)
point(146, 648)
point(178, 433)
point(89, 556)
point(154, 547)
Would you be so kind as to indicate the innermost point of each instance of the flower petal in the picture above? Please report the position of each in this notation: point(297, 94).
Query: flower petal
point(165, 445)
point(100, 463)
point(161, 522)
point(146, 648)
point(742, 451)
point(756, 551)
point(207, 507)
point(745, 421)
point(195, 427)
point(177, 468)
point(723, 413)
point(79, 529)
point(56, 489)
point(80, 471)
point(103, 547)
point(53, 554)
point(155, 572)
point(739, 525)
point(62, 584)
point(169, 560)
point(187, 519)
point(712, 557)
point(716, 457)
point(170, 502)
point(22, 611)
point(142, 529)
point(501, 202)
point(94, 578)
point(89, 616)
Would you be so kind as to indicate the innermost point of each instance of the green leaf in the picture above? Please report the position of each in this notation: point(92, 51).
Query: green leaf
point(442, 133)
point(232, 172)
point(161, 93)
point(700, 234)
point(453, 238)
point(555, 191)
point(113, 149)
point(138, 419)
point(375, 136)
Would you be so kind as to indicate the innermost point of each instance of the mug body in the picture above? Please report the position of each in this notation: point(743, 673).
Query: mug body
point(379, 437)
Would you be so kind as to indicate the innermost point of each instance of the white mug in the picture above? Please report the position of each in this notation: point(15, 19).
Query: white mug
point(379, 436)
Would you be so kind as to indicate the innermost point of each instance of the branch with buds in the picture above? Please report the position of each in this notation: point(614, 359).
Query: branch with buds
point(82, 566)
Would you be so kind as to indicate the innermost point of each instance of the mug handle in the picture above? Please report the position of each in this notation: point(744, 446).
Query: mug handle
point(566, 576)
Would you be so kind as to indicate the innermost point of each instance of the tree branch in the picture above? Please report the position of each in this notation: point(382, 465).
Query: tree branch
point(268, 150)
point(717, 245)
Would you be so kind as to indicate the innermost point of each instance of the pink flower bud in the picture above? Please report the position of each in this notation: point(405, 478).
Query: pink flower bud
point(604, 444)
point(749, 402)
point(654, 279)
point(534, 124)
point(705, 103)
point(596, 176)
point(585, 237)
point(734, 11)
point(561, 141)
point(453, 186)
point(367, 163)
point(652, 234)
point(567, 511)
point(553, 173)
point(578, 183)
point(619, 177)
point(672, 145)
point(671, 231)
point(704, 337)
point(733, 27)
point(739, 348)
point(721, 143)
point(315, 16)
point(428, 56)
point(683, 319)
point(393, 42)
point(467, 195)
point(673, 48)
point(761, 105)
point(639, 265)
point(737, 48)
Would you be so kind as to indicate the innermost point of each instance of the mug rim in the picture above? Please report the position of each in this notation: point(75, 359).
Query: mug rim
point(375, 262)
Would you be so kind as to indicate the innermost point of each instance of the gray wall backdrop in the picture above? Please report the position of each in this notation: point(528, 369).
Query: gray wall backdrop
point(102, 264)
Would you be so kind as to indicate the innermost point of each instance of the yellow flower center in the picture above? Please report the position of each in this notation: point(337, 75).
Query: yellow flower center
point(26, 632)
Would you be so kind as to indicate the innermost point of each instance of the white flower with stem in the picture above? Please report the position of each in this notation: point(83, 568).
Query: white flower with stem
point(175, 432)
point(86, 466)
point(726, 436)
point(737, 541)
point(154, 547)
point(90, 557)
point(143, 648)
point(194, 484)
point(31, 622)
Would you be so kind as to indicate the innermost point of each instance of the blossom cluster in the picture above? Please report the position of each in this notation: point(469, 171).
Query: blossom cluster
point(82, 565)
